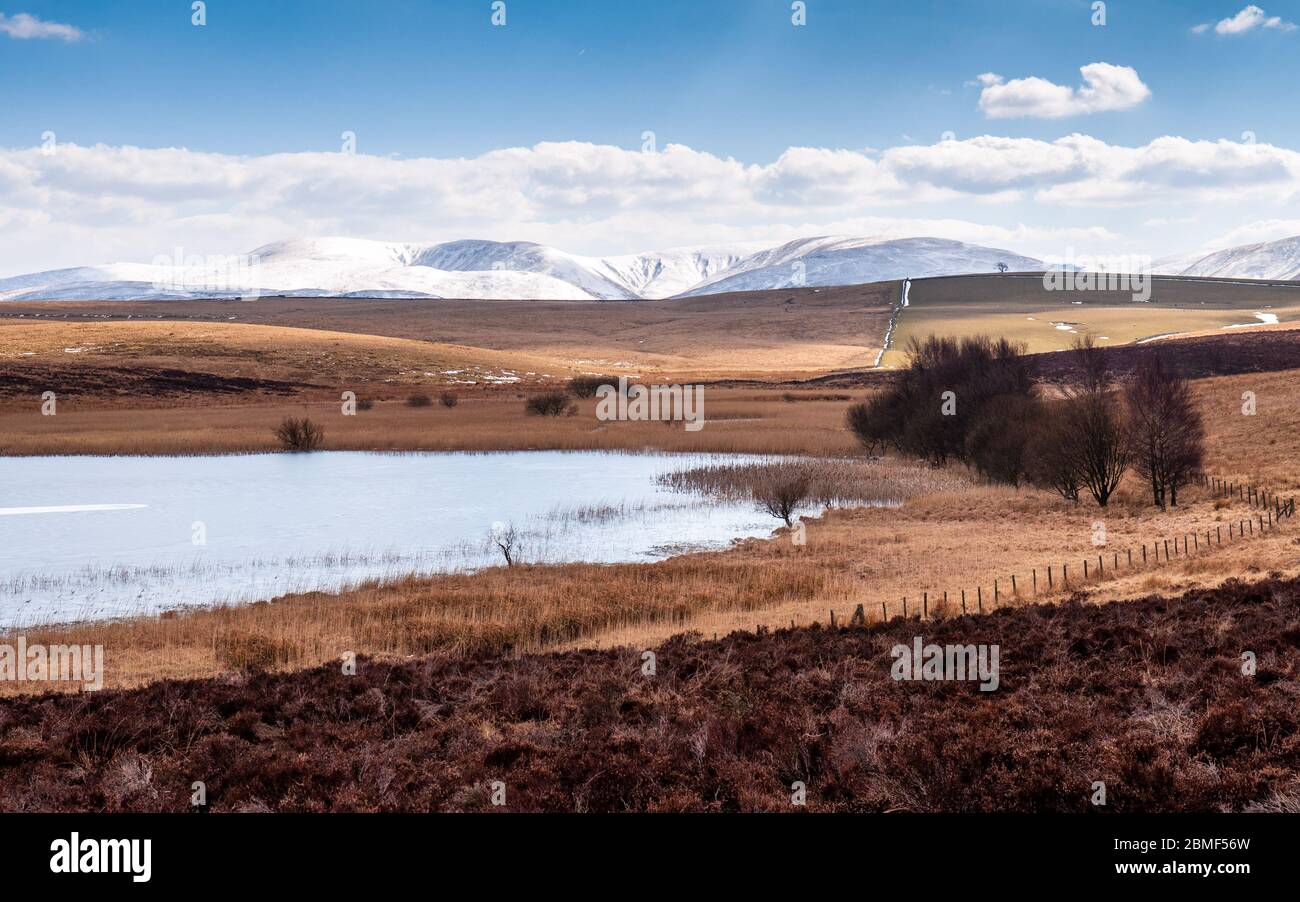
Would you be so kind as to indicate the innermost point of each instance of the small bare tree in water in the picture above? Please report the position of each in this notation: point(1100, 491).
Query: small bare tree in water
point(506, 538)
point(784, 494)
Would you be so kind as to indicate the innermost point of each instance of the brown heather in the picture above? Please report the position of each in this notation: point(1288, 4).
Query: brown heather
point(1147, 696)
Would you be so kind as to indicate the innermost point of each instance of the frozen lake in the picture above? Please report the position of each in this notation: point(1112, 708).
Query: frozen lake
point(95, 537)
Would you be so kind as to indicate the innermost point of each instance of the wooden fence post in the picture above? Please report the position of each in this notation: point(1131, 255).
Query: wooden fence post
point(979, 598)
point(925, 605)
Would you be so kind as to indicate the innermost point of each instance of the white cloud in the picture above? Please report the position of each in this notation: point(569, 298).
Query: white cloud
point(99, 204)
point(1256, 232)
point(1250, 18)
point(1105, 87)
point(25, 25)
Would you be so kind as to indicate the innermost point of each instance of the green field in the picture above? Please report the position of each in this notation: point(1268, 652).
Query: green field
point(1019, 307)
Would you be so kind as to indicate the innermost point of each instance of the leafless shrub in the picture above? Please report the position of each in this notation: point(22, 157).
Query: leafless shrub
point(448, 399)
point(365, 403)
point(547, 404)
point(586, 386)
point(419, 400)
point(949, 387)
point(299, 434)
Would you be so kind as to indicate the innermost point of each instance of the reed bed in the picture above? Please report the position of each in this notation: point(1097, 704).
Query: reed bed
point(830, 482)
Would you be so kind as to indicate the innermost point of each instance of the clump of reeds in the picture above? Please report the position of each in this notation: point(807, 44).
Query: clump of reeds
point(299, 434)
point(830, 483)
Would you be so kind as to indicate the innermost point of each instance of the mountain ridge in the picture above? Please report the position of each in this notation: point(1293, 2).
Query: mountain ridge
point(480, 268)
point(475, 268)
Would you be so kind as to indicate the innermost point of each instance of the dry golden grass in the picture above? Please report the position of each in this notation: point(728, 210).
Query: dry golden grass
point(1263, 448)
point(771, 334)
point(311, 358)
point(754, 420)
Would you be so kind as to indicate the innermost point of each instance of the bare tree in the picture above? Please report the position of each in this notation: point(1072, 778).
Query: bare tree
point(784, 495)
point(1166, 435)
point(506, 538)
point(1051, 462)
point(1098, 443)
point(1096, 435)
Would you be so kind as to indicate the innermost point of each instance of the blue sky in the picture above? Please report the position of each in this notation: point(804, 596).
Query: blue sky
point(731, 79)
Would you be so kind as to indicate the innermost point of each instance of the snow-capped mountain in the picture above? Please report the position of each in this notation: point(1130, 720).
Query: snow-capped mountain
point(1265, 260)
point(350, 267)
point(852, 261)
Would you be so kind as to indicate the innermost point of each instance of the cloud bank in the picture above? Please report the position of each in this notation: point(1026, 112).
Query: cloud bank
point(70, 204)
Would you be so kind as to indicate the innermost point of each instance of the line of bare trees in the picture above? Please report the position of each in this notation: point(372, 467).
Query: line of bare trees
point(976, 401)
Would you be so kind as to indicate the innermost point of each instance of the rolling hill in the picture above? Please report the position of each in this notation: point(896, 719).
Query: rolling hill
point(1278, 260)
point(350, 267)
